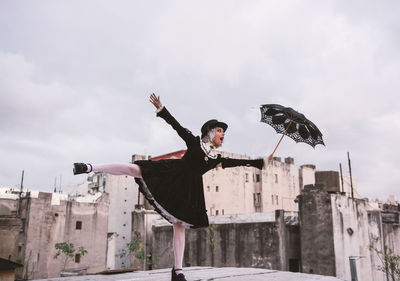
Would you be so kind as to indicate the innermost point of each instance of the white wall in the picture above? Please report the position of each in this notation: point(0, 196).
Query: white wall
point(237, 186)
point(123, 192)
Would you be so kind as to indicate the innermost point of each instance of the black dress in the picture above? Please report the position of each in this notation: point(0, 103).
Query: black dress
point(174, 187)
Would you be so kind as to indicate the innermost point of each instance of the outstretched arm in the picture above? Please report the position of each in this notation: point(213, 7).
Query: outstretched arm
point(162, 112)
point(228, 162)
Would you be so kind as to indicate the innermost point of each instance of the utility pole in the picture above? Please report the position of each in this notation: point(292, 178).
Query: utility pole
point(341, 176)
point(351, 178)
point(20, 194)
point(60, 190)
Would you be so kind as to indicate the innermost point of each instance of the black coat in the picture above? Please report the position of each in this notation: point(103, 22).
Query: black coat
point(174, 187)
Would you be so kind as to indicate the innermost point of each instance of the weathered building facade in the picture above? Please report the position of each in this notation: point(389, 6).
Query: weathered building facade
point(266, 240)
point(331, 231)
point(30, 227)
point(247, 190)
point(335, 229)
point(123, 197)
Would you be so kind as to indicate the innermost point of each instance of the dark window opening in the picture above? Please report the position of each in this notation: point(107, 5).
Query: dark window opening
point(22, 228)
point(78, 225)
point(77, 258)
point(294, 265)
point(257, 199)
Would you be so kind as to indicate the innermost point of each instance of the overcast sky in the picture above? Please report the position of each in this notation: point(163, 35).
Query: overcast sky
point(75, 77)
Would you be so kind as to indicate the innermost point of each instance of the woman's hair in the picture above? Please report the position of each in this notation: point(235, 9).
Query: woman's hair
point(209, 136)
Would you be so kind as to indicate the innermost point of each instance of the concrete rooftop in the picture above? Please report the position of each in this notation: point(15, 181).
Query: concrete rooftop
point(204, 274)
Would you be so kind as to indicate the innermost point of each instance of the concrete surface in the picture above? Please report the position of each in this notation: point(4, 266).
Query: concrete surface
point(204, 274)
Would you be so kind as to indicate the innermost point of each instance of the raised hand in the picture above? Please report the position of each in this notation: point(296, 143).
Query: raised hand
point(155, 100)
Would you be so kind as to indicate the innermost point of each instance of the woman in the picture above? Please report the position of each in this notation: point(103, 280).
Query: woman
point(174, 187)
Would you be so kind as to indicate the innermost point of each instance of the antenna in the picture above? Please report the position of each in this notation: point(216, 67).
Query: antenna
point(22, 182)
point(351, 178)
point(341, 176)
point(55, 184)
point(60, 190)
point(20, 193)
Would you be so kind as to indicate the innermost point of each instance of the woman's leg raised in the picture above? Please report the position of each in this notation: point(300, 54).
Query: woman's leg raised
point(119, 169)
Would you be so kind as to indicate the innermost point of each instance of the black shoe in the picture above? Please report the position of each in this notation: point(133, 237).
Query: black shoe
point(177, 277)
point(81, 168)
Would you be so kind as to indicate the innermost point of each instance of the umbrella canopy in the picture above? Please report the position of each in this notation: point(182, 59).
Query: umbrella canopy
point(289, 122)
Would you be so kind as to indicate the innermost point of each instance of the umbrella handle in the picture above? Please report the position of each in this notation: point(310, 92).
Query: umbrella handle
point(284, 133)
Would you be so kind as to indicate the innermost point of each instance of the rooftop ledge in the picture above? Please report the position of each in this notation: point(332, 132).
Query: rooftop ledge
point(204, 273)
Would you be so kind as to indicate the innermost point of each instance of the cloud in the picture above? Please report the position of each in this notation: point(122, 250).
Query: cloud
point(75, 79)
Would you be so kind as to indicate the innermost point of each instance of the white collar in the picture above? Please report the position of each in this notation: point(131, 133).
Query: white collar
point(208, 149)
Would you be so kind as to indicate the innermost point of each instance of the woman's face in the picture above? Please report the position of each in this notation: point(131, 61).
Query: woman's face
point(218, 137)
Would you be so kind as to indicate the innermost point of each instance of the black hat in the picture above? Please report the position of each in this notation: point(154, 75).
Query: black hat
point(211, 124)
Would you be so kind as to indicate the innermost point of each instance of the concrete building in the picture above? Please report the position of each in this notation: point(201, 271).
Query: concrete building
point(123, 197)
point(331, 235)
point(262, 240)
point(32, 224)
point(336, 232)
point(247, 190)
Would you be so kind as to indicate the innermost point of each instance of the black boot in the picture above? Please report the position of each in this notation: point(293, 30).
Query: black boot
point(177, 277)
point(81, 168)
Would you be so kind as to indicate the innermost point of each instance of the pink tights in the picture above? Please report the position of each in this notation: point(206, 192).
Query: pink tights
point(179, 245)
point(134, 171)
point(119, 169)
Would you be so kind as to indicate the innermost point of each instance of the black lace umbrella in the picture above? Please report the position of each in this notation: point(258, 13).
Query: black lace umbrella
point(289, 122)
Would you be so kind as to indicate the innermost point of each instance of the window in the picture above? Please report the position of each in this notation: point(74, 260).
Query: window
point(217, 188)
point(257, 198)
point(223, 212)
point(208, 188)
point(77, 258)
point(216, 212)
point(78, 225)
point(247, 177)
point(277, 200)
point(276, 178)
point(272, 199)
point(257, 178)
point(22, 228)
